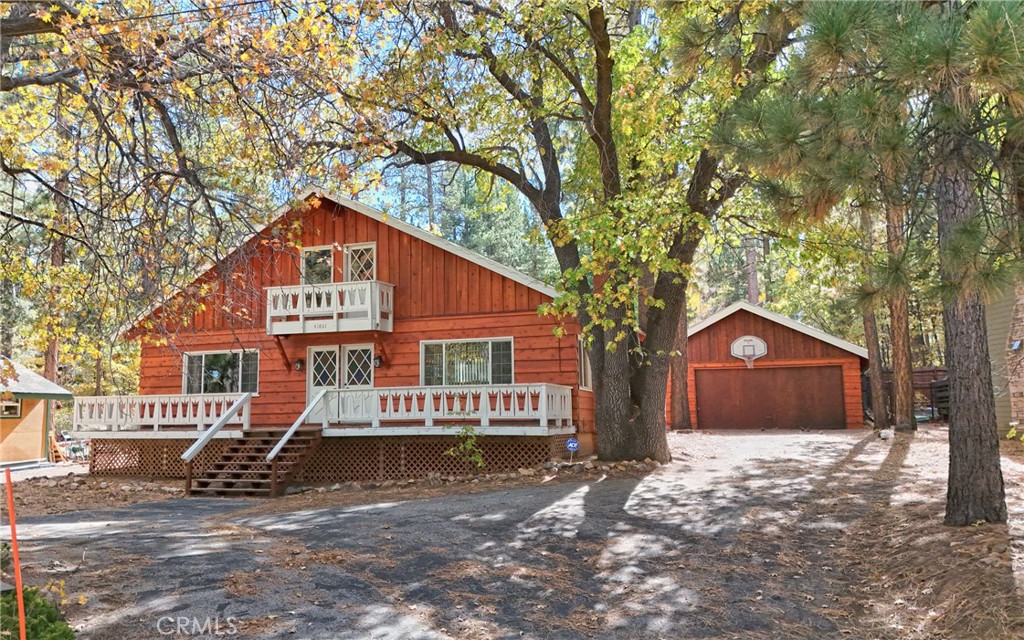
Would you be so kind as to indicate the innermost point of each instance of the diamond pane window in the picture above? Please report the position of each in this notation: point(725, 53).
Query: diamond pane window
point(358, 367)
point(325, 368)
point(361, 261)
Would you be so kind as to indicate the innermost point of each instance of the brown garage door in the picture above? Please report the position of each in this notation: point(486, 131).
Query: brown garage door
point(766, 398)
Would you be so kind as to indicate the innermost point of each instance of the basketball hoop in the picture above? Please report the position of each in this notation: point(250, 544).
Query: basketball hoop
point(748, 349)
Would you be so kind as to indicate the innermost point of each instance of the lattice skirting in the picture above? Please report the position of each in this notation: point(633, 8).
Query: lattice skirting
point(390, 458)
point(152, 458)
point(336, 459)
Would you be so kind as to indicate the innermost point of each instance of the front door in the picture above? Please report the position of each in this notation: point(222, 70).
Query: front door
point(322, 373)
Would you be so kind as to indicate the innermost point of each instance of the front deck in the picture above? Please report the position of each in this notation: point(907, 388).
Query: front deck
point(539, 409)
point(360, 434)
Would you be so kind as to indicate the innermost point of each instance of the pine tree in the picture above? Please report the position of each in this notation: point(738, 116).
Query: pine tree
point(920, 98)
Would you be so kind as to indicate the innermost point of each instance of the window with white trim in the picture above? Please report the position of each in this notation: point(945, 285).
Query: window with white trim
point(586, 374)
point(10, 409)
point(318, 265)
point(360, 262)
point(222, 372)
point(459, 362)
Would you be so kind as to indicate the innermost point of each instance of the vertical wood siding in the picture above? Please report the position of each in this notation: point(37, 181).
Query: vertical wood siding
point(709, 349)
point(438, 296)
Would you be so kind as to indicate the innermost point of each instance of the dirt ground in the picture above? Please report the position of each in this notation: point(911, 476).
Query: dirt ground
point(43, 495)
point(747, 535)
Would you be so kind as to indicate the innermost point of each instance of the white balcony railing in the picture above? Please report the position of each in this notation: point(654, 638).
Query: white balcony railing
point(328, 308)
point(539, 404)
point(154, 413)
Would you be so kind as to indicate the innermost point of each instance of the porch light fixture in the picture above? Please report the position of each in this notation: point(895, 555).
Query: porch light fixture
point(377, 361)
point(300, 364)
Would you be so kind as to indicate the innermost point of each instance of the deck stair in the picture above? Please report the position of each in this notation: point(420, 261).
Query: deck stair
point(243, 469)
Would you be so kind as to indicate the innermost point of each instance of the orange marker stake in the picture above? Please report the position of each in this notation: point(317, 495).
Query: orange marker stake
point(14, 553)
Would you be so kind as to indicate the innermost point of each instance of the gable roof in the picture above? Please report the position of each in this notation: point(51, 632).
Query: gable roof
point(405, 227)
point(32, 385)
point(780, 319)
point(368, 211)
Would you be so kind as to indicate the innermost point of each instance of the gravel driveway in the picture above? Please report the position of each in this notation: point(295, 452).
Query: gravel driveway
point(735, 538)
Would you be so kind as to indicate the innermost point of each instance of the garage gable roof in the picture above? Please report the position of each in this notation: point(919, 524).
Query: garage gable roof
point(31, 385)
point(780, 319)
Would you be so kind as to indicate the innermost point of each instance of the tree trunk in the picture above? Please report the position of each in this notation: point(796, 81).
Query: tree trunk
point(879, 403)
point(51, 357)
point(431, 218)
point(679, 412)
point(613, 400)
point(750, 255)
point(899, 323)
point(8, 318)
point(975, 492)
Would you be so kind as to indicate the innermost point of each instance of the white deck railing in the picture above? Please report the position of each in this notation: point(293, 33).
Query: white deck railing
point(540, 404)
point(339, 306)
point(135, 413)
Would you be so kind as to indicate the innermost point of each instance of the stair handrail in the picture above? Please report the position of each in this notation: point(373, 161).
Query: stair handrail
point(208, 435)
point(298, 423)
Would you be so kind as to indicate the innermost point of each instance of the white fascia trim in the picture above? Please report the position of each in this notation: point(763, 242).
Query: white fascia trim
point(780, 319)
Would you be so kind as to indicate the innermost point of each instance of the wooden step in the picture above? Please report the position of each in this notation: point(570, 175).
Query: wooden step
point(215, 491)
point(243, 468)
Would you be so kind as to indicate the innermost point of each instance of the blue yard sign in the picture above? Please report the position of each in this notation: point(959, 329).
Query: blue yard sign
point(572, 444)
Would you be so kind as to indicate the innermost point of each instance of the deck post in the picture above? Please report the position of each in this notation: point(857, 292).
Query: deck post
point(485, 407)
point(188, 478)
point(542, 404)
point(273, 478)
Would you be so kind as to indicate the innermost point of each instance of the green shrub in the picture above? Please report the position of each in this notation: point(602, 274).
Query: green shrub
point(467, 450)
point(42, 618)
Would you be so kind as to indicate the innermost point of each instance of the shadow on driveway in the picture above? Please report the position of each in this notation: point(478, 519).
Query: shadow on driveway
point(735, 540)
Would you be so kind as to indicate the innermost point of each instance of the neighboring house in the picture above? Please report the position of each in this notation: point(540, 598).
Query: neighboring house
point(750, 368)
point(377, 341)
point(26, 414)
point(1004, 319)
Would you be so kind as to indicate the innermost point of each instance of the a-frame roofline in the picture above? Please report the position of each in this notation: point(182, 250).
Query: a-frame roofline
point(785, 321)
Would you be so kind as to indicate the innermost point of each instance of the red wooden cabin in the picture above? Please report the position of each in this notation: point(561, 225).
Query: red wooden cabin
point(342, 344)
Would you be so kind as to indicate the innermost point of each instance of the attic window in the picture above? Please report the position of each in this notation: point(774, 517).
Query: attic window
point(10, 409)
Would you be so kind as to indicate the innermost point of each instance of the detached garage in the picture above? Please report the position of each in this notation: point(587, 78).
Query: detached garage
point(750, 368)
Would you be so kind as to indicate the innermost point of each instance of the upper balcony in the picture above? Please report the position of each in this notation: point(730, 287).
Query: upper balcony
point(327, 308)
